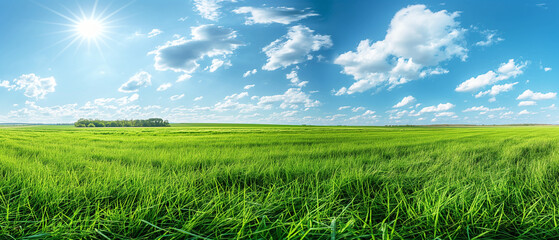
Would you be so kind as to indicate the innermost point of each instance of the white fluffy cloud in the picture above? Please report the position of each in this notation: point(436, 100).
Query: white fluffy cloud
point(154, 32)
point(32, 85)
point(247, 87)
point(505, 71)
point(126, 100)
point(445, 114)
point(182, 55)
point(209, 9)
point(283, 15)
point(292, 98)
point(416, 42)
point(140, 79)
point(164, 87)
point(404, 101)
point(198, 98)
point(250, 72)
point(527, 103)
point(496, 89)
point(528, 94)
point(294, 48)
point(524, 112)
point(547, 69)
point(439, 108)
point(294, 79)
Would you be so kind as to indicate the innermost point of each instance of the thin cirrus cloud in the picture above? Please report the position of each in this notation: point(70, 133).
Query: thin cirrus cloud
point(294, 47)
point(176, 97)
point(139, 80)
point(164, 87)
point(417, 37)
point(490, 38)
point(182, 55)
point(217, 63)
point(282, 15)
point(209, 9)
point(154, 32)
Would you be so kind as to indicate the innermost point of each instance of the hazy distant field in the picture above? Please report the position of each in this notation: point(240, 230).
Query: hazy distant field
point(281, 182)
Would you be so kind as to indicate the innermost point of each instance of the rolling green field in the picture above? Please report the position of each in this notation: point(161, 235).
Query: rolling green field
point(205, 181)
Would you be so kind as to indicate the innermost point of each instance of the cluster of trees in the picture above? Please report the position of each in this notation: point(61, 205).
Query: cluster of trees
point(152, 122)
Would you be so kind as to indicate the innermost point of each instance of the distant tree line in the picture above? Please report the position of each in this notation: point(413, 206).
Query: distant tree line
point(152, 122)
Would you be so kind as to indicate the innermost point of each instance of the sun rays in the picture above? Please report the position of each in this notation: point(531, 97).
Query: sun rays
point(86, 28)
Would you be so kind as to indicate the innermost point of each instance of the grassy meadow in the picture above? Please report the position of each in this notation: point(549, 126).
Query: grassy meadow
point(204, 181)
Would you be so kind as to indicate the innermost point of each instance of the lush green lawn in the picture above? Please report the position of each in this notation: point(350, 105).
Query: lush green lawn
point(282, 182)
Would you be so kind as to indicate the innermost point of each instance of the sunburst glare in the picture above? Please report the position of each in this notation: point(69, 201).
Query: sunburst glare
point(90, 28)
point(86, 29)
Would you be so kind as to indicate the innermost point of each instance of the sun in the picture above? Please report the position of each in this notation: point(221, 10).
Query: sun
point(89, 28)
point(86, 28)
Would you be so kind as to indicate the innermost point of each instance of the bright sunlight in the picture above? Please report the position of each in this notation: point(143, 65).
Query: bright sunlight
point(89, 28)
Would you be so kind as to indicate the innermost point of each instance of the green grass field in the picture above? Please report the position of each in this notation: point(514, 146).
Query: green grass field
point(204, 181)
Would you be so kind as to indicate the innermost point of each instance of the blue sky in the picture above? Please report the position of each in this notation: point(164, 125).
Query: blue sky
point(291, 62)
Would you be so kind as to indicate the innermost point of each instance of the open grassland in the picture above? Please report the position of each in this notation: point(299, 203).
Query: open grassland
point(281, 182)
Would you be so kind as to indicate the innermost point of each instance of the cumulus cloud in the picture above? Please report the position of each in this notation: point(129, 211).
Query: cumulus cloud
point(126, 100)
point(344, 107)
point(209, 9)
point(439, 108)
point(32, 85)
point(416, 42)
point(524, 112)
point(547, 69)
point(182, 55)
point(176, 97)
point(292, 98)
point(527, 103)
point(198, 98)
point(140, 79)
point(367, 115)
point(505, 71)
point(154, 32)
point(250, 72)
point(164, 87)
point(247, 87)
point(283, 15)
point(496, 89)
point(445, 114)
point(294, 47)
point(404, 102)
point(294, 79)
point(528, 94)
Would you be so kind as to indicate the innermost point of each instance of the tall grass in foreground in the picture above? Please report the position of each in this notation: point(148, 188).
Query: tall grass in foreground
point(279, 182)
